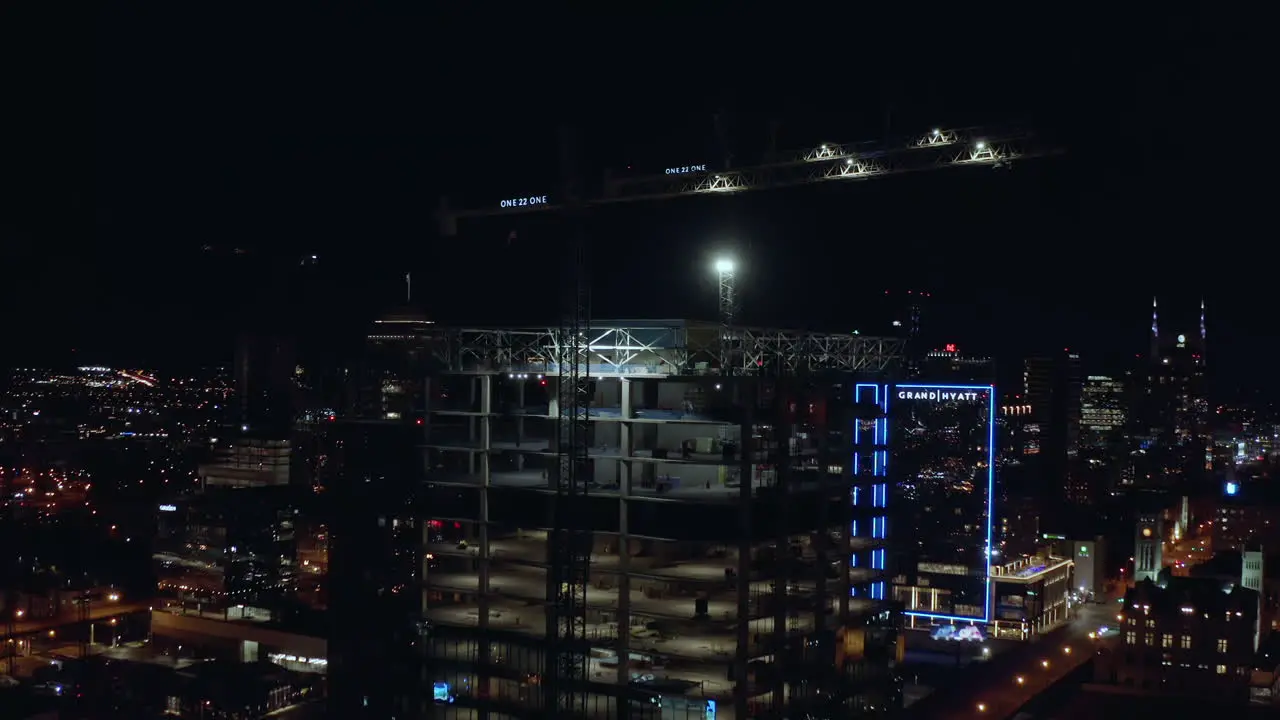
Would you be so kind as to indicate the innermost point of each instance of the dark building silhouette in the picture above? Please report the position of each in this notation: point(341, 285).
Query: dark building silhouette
point(1172, 418)
point(371, 475)
point(374, 550)
point(1052, 387)
point(1189, 636)
point(265, 396)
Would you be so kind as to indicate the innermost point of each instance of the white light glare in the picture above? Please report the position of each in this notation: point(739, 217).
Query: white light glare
point(982, 145)
point(724, 265)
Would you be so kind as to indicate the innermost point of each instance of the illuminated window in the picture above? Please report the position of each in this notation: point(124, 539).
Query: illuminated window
point(1130, 637)
point(1222, 669)
point(1222, 645)
point(1166, 640)
point(1186, 642)
point(1151, 623)
point(1150, 639)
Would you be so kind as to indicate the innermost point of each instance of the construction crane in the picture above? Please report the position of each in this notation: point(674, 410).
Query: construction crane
point(935, 149)
point(570, 542)
point(566, 680)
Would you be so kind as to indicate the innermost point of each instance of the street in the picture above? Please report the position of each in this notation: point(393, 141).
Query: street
point(997, 688)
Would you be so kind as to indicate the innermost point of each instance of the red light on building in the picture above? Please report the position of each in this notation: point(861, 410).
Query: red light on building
point(949, 347)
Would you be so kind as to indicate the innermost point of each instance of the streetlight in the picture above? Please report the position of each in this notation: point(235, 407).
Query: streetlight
point(1044, 664)
point(982, 707)
point(1066, 650)
point(1021, 680)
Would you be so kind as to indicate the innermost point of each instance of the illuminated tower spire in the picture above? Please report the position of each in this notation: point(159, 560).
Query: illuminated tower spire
point(1155, 329)
point(1202, 332)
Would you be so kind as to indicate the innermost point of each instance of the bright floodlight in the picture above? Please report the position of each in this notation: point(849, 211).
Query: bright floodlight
point(724, 265)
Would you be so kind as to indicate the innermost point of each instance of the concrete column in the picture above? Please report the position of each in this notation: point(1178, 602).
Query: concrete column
point(823, 549)
point(427, 407)
point(625, 442)
point(473, 435)
point(484, 423)
point(784, 566)
point(624, 592)
point(484, 385)
point(746, 455)
point(520, 425)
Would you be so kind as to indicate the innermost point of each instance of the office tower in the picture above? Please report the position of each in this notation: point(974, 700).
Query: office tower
point(256, 449)
point(1103, 413)
point(1018, 435)
point(949, 364)
point(229, 551)
point(1052, 386)
point(1148, 555)
point(1174, 411)
point(371, 482)
point(943, 465)
point(264, 389)
point(731, 568)
point(371, 473)
point(393, 366)
point(1090, 566)
point(905, 311)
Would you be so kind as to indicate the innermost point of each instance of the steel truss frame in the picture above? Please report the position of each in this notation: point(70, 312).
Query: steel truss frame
point(661, 349)
point(935, 150)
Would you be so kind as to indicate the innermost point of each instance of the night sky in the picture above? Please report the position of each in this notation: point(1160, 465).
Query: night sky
point(335, 133)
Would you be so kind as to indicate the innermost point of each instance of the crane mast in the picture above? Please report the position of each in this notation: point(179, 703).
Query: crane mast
point(571, 538)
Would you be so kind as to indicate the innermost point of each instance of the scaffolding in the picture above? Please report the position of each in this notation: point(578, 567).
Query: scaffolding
point(715, 519)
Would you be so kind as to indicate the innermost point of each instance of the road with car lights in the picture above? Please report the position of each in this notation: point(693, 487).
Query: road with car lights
point(998, 688)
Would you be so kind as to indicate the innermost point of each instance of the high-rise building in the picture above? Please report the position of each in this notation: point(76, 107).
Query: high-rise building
point(948, 364)
point(734, 524)
point(1103, 412)
point(1174, 409)
point(229, 550)
point(394, 365)
point(372, 481)
point(1148, 555)
point(943, 466)
point(371, 472)
point(1052, 386)
point(264, 397)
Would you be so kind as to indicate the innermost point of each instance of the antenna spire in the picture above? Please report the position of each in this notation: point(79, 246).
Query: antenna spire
point(1204, 350)
point(408, 288)
point(1155, 328)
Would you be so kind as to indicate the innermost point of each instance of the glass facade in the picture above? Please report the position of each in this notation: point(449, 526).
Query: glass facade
point(1103, 414)
point(227, 547)
point(942, 466)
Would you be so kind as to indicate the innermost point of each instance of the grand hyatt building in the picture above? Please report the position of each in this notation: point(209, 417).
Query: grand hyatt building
point(943, 466)
point(935, 447)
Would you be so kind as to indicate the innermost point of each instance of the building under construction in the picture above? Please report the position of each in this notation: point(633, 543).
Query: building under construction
point(727, 576)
